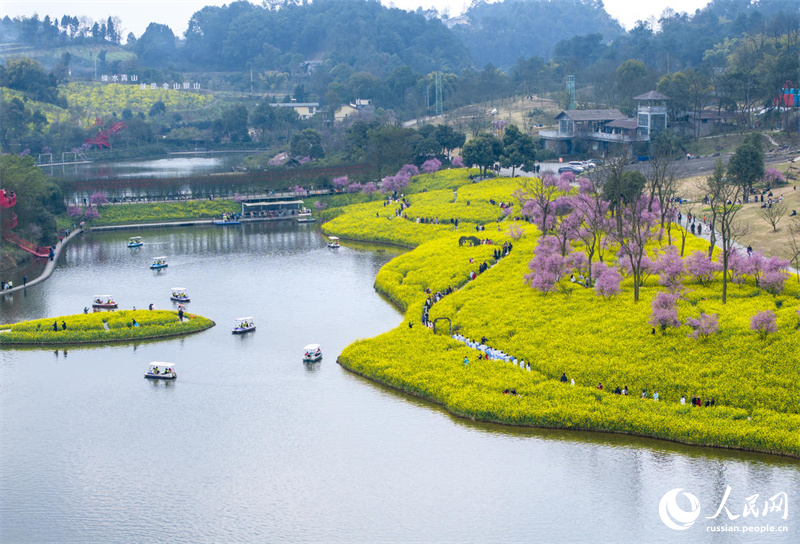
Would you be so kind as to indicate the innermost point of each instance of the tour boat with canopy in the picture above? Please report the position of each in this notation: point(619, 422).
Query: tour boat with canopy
point(243, 325)
point(333, 241)
point(179, 295)
point(311, 353)
point(159, 262)
point(161, 371)
point(135, 241)
point(103, 301)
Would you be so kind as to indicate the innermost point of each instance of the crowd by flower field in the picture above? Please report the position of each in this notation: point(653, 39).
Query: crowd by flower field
point(102, 327)
point(594, 337)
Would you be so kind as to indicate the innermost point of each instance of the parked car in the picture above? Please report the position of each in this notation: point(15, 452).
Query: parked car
point(570, 168)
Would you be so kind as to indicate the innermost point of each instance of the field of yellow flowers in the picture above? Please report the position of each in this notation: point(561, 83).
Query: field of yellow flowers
point(165, 211)
point(102, 327)
point(755, 383)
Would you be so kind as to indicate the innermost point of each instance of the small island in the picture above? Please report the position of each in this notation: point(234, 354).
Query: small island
point(102, 327)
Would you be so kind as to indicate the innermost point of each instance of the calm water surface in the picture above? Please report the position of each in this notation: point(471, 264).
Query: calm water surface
point(252, 445)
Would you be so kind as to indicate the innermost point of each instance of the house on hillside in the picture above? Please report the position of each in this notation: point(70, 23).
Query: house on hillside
point(604, 131)
point(361, 107)
point(305, 110)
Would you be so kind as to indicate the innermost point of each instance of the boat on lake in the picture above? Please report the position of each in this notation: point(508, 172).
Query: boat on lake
point(135, 241)
point(103, 301)
point(305, 218)
point(161, 371)
point(333, 242)
point(159, 262)
point(243, 325)
point(311, 353)
point(179, 295)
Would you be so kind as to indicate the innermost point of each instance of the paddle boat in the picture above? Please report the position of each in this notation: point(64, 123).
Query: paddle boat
point(305, 217)
point(227, 220)
point(135, 241)
point(103, 301)
point(333, 242)
point(159, 262)
point(311, 353)
point(179, 295)
point(243, 325)
point(161, 371)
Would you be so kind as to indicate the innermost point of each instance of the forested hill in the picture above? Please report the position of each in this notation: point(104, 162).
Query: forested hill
point(504, 32)
point(362, 34)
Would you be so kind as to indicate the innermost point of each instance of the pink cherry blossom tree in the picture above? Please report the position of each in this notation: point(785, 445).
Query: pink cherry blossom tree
point(91, 213)
point(75, 212)
point(701, 268)
point(704, 326)
point(98, 199)
point(635, 225)
point(319, 206)
point(431, 166)
point(764, 323)
point(369, 188)
point(341, 183)
point(669, 267)
point(592, 211)
point(665, 313)
point(457, 162)
point(608, 281)
point(547, 266)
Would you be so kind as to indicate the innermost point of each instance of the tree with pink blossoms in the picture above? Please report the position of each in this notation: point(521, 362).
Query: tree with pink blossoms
point(319, 206)
point(740, 266)
point(665, 313)
point(592, 211)
point(704, 326)
point(547, 266)
point(354, 188)
point(767, 266)
point(608, 281)
point(341, 183)
point(669, 267)
point(431, 166)
point(98, 199)
point(772, 281)
point(369, 188)
point(773, 177)
point(409, 171)
point(646, 268)
point(299, 191)
point(457, 162)
point(90, 214)
point(764, 323)
point(701, 268)
point(636, 222)
point(537, 199)
point(75, 212)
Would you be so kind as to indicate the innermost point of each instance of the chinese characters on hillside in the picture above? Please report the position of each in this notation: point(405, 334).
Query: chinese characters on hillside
point(133, 78)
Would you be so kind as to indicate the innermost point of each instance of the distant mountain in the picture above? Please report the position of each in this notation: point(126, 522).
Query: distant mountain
point(504, 32)
point(361, 33)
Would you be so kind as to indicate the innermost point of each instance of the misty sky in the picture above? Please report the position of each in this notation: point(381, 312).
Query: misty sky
point(137, 14)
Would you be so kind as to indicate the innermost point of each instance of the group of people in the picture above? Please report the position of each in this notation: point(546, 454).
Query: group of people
point(489, 353)
point(63, 326)
point(696, 401)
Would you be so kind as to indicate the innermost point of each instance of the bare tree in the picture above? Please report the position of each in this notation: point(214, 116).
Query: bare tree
point(794, 244)
point(723, 195)
point(662, 184)
point(773, 213)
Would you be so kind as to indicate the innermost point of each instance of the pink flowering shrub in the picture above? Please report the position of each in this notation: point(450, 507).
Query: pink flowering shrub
point(773, 176)
point(703, 327)
point(408, 171)
point(369, 188)
point(607, 280)
point(457, 162)
point(669, 268)
point(98, 199)
point(90, 214)
point(319, 206)
point(75, 212)
point(665, 313)
point(701, 268)
point(431, 166)
point(354, 188)
point(340, 183)
point(740, 265)
point(764, 323)
point(547, 266)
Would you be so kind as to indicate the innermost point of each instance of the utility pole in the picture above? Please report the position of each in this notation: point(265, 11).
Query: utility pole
point(438, 93)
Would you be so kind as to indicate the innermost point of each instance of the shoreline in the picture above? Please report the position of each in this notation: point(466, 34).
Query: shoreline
point(111, 341)
point(49, 267)
point(582, 429)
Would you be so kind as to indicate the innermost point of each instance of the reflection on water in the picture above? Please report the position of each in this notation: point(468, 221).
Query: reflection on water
point(251, 444)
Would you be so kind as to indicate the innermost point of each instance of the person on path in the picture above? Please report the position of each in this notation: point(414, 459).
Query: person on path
point(64, 325)
point(466, 361)
point(564, 377)
point(24, 280)
point(55, 326)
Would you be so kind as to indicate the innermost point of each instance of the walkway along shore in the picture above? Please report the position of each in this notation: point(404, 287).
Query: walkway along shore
point(51, 264)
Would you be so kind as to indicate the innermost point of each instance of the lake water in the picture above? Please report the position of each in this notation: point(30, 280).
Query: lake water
point(249, 444)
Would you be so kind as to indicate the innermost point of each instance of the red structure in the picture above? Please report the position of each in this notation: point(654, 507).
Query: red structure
point(7, 200)
point(101, 138)
point(789, 96)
